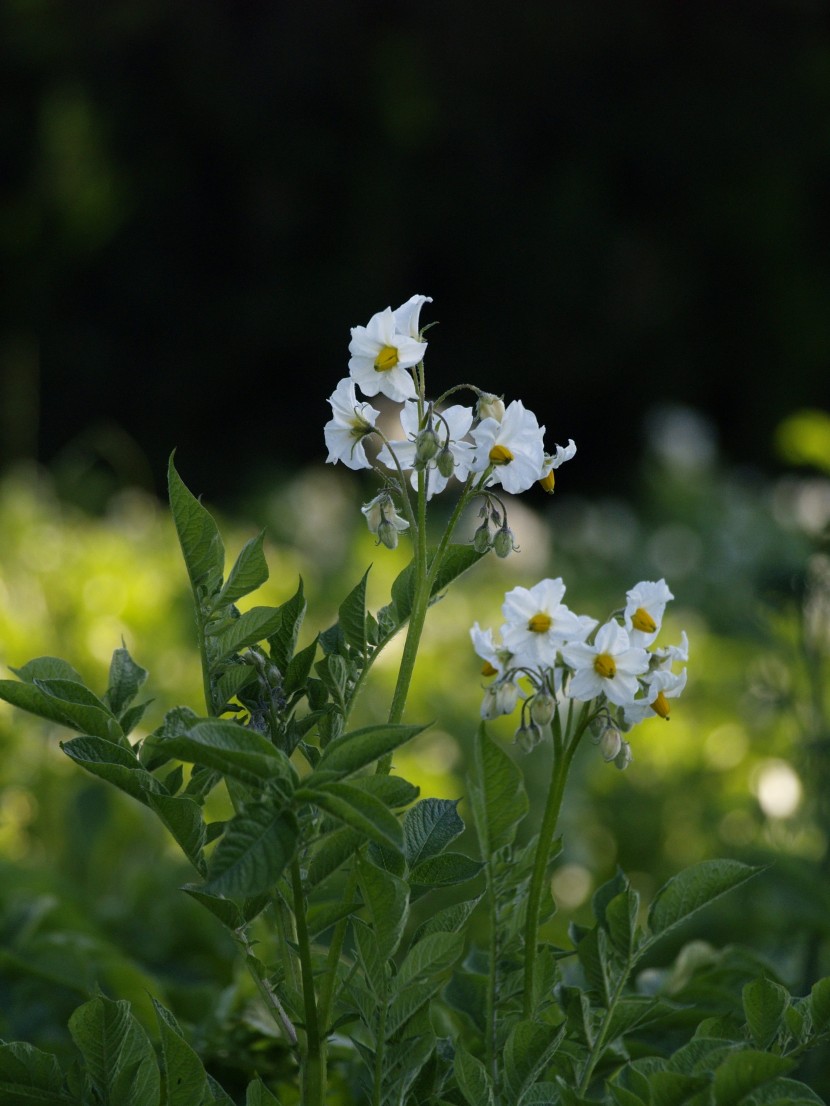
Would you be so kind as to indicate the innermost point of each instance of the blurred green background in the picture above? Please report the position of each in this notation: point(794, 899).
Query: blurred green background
point(620, 212)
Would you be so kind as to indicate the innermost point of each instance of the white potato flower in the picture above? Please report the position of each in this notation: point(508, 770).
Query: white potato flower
point(407, 316)
point(644, 610)
point(512, 447)
point(537, 623)
point(350, 424)
point(553, 461)
point(382, 354)
point(383, 520)
point(658, 687)
point(609, 667)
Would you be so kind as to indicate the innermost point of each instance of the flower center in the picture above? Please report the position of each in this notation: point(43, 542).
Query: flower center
point(548, 482)
point(540, 623)
point(604, 666)
point(500, 455)
point(387, 359)
point(641, 620)
point(661, 706)
point(488, 669)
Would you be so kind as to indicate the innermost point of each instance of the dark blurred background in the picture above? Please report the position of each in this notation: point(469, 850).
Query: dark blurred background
point(614, 206)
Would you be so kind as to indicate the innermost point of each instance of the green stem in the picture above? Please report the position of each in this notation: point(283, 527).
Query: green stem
point(377, 1090)
point(490, 1026)
point(314, 1067)
point(563, 753)
point(329, 980)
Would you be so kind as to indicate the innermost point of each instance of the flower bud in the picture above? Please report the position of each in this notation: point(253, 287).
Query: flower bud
point(445, 463)
point(481, 538)
point(507, 696)
point(527, 736)
point(489, 705)
point(490, 407)
point(542, 706)
point(387, 534)
point(624, 757)
point(426, 446)
point(503, 542)
point(610, 743)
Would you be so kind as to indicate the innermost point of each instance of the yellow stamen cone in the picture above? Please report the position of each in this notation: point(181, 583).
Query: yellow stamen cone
point(641, 620)
point(500, 455)
point(387, 359)
point(605, 666)
point(540, 623)
point(661, 706)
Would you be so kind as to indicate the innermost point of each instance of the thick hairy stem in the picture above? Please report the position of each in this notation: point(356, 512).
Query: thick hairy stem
point(314, 1062)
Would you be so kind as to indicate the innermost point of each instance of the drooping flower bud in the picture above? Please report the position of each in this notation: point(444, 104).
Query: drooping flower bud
point(481, 538)
point(490, 407)
point(387, 534)
point(624, 757)
point(610, 743)
point(542, 706)
point(527, 736)
point(445, 463)
point(503, 542)
point(426, 446)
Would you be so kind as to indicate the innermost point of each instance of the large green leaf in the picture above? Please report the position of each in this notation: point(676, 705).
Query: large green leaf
point(125, 680)
point(444, 870)
point(387, 899)
point(29, 1077)
point(358, 809)
point(253, 852)
point(47, 668)
point(115, 764)
point(183, 818)
point(528, 1049)
point(232, 749)
point(743, 1072)
point(118, 1054)
point(497, 795)
point(456, 561)
point(431, 956)
point(764, 1004)
point(359, 748)
point(352, 616)
point(85, 711)
point(253, 626)
point(199, 538)
point(694, 888)
point(335, 849)
point(184, 1081)
point(429, 827)
point(257, 1094)
point(283, 640)
point(250, 571)
point(472, 1078)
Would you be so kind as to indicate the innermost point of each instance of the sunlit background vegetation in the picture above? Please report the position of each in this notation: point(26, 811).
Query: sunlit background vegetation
point(89, 891)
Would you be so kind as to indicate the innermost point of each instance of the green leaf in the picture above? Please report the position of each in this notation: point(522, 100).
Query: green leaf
point(225, 910)
point(234, 678)
point(467, 993)
point(673, 1088)
point(250, 571)
point(299, 668)
point(334, 850)
point(621, 920)
point(358, 809)
point(352, 616)
point(449, 920)
point(47, 668)
point(820, 1003)
point(283, 639)
point(694, 888)
point(184, 1080)
point(183, 818)
point(444, 870)
point(201, 544)
point(359, 748)
point(764, 1004)
point(457, 560)
point(84, 710)
point(118, 1054)
point(258, 1094)
point(387, 900)
point(429, 827)
point(113, 763)
point(29, 1077)
point(472, 1078)
point(497, 795)
point(125, 680)
point(373, 964)
point(234, 750)
point(253, 626)
point(324, 915)
point(392, 790)
point(743, 1072)
point(407, 1003)
point(527, 1051)
point(545, 1094)
point(431, 956)
point(253, 851)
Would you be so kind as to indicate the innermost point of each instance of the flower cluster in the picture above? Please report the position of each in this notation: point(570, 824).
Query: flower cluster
point(565, 657)
point(485, 445)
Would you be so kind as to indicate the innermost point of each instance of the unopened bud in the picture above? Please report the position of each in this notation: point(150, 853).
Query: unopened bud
point(624, 757)
point(610, 743)
point(490, 407)
point(387, 534)
point(527, 736)
point(445, 463)
point(503, 542)
point(481, 538)
point(507, 696)
point(426, 446)
point(542, 706)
